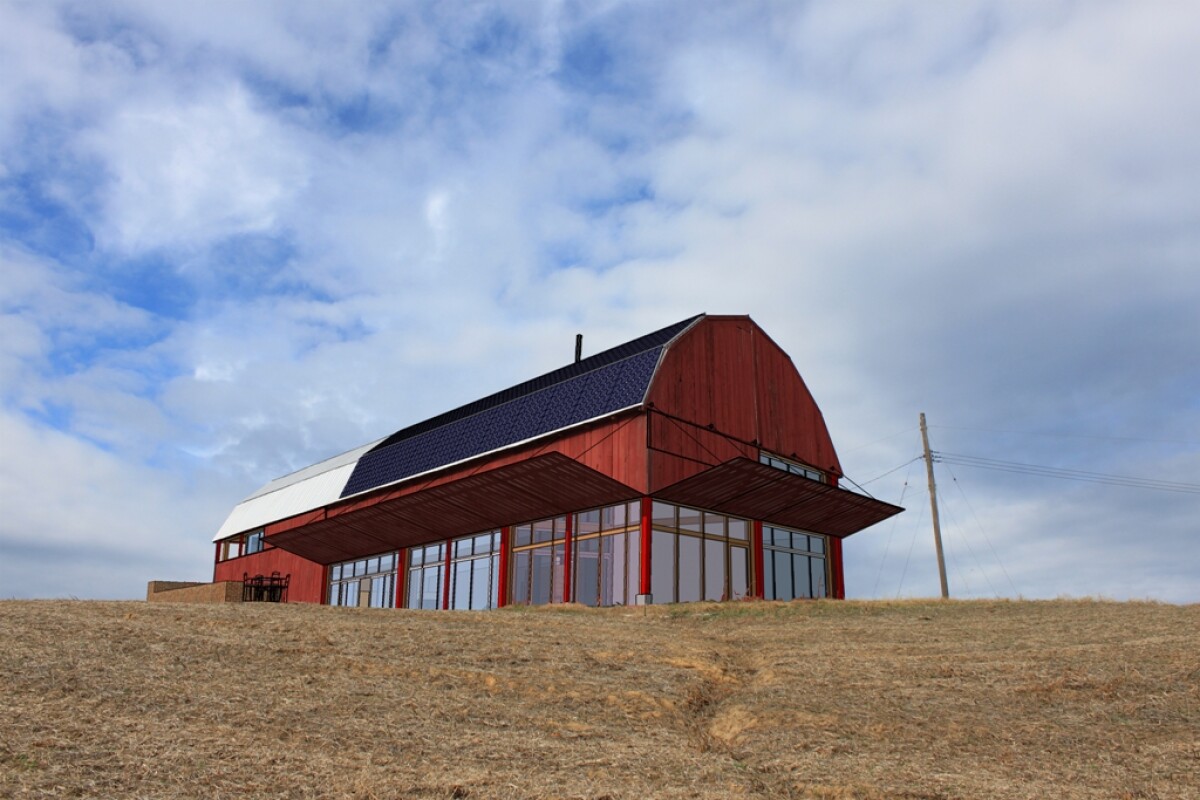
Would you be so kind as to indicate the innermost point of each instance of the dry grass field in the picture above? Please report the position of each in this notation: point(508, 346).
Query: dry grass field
point(803, 700)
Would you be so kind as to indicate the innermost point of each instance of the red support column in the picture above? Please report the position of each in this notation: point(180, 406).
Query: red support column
point(324, 600)
point(401, 577)
point(567, 541)
point(647, 511)
point(756, 544)
point(837, 580)
point(446, 578)
point(502, 578)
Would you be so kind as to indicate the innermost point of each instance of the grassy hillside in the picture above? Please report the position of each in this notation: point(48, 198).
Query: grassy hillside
point(813, 699)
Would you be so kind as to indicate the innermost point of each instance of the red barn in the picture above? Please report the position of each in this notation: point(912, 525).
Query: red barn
point(688, 464)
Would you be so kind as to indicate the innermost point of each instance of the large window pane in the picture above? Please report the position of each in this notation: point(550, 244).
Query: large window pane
point(460, 589)
point(520, 578)
point(541, 575)
point(612, 518)
point(783, 575)
point(739, 581)
point(480, 580)
point(800, 577)
point(431, 588)
point(689, 569)
point(543, 531)
point(612, 570)
point(414, 588)
point(556, 587)
point(714, 570)
point(633, 585)
point(587, 522)
point(662, 567)
point(738, 528)
point(522, 535)
point(587, 572)
point(663, 515)
point(816, 544)
point(689, 519)
point(817, 567)
point(714, 525)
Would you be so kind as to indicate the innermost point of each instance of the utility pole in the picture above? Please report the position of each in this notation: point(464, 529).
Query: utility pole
point(937, 528)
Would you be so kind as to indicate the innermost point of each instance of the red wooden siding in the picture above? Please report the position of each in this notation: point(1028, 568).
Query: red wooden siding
point(736, 386)
point(308, 578)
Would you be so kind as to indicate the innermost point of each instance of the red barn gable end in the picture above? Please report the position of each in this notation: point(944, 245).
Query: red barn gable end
point(688, 464)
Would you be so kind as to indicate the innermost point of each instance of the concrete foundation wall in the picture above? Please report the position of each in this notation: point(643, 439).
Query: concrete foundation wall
point(190, 592)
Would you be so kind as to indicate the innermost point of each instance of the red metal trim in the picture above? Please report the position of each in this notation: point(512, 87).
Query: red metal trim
point(446, 577)
point(756, 544)
point(504, 578)
point(647, 510)
point(324, 598)
point(401, 576)
point(568, 539)
point(837, 579)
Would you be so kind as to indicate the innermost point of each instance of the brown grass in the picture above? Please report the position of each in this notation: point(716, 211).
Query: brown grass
point(805, 700)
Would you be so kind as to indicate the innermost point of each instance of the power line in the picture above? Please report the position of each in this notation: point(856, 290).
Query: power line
point(1060, 435)
point(1067, 474)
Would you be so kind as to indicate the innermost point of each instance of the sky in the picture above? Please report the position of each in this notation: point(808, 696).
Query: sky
point(237, 238)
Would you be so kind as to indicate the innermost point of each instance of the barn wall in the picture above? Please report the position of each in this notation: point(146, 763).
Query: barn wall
point(307, 584)
point(722, 386)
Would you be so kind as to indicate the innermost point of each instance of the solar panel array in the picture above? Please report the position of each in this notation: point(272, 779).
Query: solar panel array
point(607, 382)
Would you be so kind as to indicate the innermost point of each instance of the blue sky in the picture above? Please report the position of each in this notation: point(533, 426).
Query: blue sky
point(238, 238)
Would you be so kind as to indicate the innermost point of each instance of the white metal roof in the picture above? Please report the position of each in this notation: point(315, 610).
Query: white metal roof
point(295, 493)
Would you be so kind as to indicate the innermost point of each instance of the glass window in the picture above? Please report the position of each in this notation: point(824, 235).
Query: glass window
point(800, 577)
point(416, 556)
point(431, 587)
point(662, 566)
point(633, 576)
point(816, 544)
point(254, 542)
point(483, 544)
point(587, 571)
point(714, 569)
point(612, 517)
point(817, 567)
point(612, 570)
point(690, 588)
point(714, 525)
point(543, 531)
point(560, 528)
point(783, 575)
point(335, 572)
point(522, 535)
point(520, 583)
point(739, 580)
point(737, 528)
point(799, 541)
point(663, 515)
point(460, 589)
point(587, 522)
point(541, 576)
point(481, 578)
point(556, 586)
point(689, 519)
point(462, 548)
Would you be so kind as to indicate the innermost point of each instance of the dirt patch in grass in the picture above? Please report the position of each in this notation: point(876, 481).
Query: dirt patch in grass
point(803, 700)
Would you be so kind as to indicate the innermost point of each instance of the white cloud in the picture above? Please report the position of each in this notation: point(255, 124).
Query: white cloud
point(187, 174)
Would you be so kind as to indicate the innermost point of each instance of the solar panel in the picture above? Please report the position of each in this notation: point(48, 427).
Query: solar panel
point(605, 383)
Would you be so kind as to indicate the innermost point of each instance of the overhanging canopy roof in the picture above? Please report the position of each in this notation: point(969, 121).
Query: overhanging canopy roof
point(744, 488)
point(541, 487)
